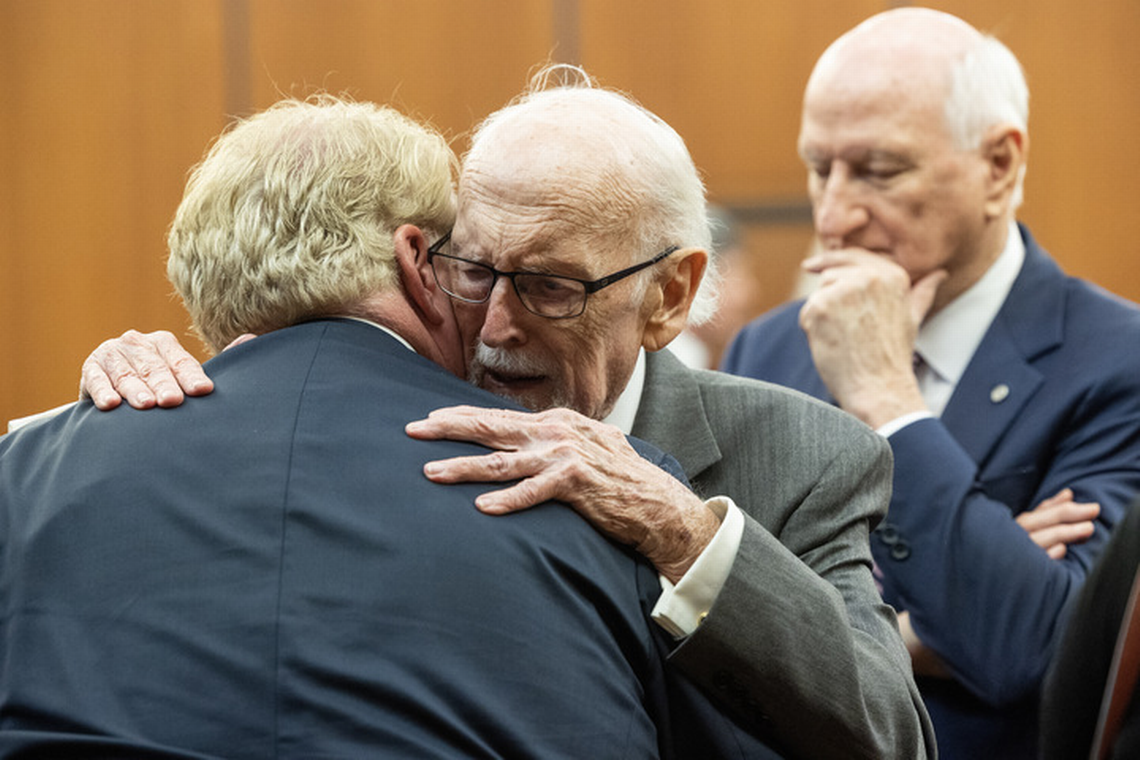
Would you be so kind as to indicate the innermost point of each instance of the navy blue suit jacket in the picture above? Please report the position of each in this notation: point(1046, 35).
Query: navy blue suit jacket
point(979, 591)
point(266, 573)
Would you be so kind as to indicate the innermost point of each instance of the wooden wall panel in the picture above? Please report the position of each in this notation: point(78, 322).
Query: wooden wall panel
point(449, 63)
point(728, 77)
point(106, 105)
point(1083, 67)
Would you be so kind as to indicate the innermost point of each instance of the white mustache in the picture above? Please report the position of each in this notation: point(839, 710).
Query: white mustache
point(505, 362)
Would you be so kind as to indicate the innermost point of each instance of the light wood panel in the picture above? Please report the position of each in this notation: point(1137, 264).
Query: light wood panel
point(1083, 67)
point(449, 63)
point(106, 105)
point(728, 77)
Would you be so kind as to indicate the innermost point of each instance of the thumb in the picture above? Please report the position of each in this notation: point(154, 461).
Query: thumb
point(922, 294)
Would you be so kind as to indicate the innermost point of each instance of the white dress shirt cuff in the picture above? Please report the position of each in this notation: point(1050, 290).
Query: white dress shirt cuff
point(898, 423)
point(683, 606)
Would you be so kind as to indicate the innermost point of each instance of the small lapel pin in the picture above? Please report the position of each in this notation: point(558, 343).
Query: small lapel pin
point(999, 393)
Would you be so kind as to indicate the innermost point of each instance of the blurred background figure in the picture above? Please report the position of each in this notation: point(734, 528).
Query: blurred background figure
point(701, 346)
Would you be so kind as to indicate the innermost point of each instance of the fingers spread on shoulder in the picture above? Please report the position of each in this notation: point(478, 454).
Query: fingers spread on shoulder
point(187, 370)
point(111, 369)
point(523, 495)
point(95, 385)
point(495, 467)
point(495, 428)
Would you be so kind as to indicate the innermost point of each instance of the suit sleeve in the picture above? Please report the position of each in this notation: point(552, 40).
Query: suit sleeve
point(979, 591)
point(800, 617)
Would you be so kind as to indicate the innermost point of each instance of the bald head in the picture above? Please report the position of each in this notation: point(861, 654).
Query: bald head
point(907, 52)
point(561, 150)
point(901, 39)
point(927, 58)
point(609, 168)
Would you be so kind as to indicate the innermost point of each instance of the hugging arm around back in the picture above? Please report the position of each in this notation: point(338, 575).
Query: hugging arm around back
point(798, 637)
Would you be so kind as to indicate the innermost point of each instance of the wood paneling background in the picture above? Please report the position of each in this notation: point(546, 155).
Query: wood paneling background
point(106, 105)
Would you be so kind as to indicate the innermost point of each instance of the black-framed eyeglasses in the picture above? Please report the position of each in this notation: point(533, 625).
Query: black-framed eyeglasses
point(547, 295)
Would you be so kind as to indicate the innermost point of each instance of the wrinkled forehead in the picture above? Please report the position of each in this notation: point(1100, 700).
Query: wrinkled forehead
point(527, 187)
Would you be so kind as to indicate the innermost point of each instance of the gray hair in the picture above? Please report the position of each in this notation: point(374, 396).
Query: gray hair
point(291, 213)
point(987, 87)
point(654, 195)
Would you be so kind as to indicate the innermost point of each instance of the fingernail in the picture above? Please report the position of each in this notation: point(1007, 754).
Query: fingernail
point(432, 468)
point(487, 505)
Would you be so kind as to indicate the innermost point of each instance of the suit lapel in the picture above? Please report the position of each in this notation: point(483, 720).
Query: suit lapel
point(1001, 378)
point(995, 387)
point(672, 415)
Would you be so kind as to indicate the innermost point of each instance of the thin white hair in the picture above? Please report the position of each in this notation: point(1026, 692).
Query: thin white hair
point(653, 197)
point(987, 88)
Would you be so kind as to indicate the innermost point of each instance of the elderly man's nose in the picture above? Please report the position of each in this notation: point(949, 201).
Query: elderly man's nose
point(838, 210)
point(501, 321)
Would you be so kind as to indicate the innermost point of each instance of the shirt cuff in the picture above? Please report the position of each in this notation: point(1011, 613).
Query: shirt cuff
point(682, 607)
point(898, 423)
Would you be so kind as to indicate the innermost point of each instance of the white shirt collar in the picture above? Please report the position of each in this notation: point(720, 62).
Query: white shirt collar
point(947, 341)
point(385, 329)
point(625, 409)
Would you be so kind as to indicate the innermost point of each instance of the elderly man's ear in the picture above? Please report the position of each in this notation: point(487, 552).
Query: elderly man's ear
point(416, 275)
point(672, 297)
point(1004, 149)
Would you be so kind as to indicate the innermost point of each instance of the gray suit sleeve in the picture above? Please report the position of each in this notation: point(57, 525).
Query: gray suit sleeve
point(799, 642)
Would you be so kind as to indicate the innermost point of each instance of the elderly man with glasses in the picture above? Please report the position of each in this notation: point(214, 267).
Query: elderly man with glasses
point(547, 295)
point(767, 574)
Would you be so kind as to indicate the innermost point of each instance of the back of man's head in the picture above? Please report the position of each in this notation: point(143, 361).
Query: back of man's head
point(291, 213)
point(622, 172)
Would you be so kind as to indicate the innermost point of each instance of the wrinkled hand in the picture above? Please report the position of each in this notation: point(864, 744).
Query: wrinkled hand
point(145, 369)
point(861, 324)
point(562, 455)
point(1059, 521)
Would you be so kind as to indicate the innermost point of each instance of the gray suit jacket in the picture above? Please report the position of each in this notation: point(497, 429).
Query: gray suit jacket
point(799, 643)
